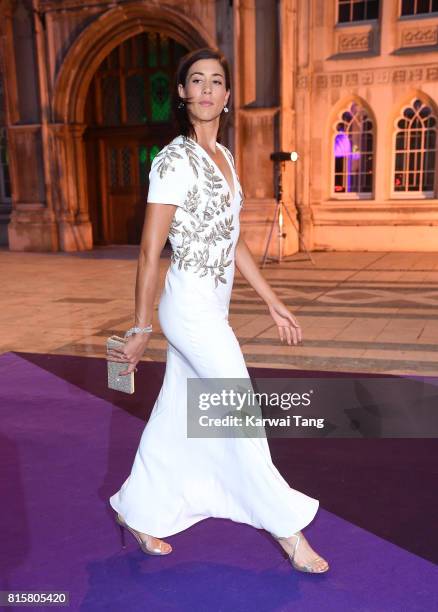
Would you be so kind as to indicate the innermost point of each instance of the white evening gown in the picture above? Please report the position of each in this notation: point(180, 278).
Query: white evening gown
point(176, 481)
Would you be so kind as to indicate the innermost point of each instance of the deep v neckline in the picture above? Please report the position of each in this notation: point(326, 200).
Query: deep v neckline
point(217, 167)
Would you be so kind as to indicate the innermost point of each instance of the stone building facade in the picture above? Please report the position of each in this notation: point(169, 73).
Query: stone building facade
point(352, 86)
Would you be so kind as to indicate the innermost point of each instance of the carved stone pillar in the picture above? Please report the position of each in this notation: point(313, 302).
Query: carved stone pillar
point(257, 142)
point(287, 127)
point(303, 78)
point(32, 226)
point(265, 119)
point(69, 193)
point(7, 60)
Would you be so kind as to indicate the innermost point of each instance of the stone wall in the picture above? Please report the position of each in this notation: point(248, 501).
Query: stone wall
point(294, 70)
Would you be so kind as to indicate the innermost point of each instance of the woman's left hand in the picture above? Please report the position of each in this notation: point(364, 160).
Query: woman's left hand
point(288, 326)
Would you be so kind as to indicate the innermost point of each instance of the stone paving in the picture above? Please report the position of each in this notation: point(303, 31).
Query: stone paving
point(360, 312)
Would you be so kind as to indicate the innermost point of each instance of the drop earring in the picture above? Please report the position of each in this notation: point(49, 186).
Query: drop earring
point(181, 104)
point(226, 109)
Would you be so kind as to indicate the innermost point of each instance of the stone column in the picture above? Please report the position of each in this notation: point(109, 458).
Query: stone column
point(303, 101)
point(32, 226)
point(264, 84)
point(254, 134)
point(287, 128)
point(69, 192)
point(256, 176)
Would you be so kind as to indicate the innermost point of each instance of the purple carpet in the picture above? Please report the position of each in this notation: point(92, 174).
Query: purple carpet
point(64, 451)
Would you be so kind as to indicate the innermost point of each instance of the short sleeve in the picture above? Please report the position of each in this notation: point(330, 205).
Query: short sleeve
point(168, 177)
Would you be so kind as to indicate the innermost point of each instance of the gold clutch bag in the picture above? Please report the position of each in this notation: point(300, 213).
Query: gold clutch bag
point(119, 383)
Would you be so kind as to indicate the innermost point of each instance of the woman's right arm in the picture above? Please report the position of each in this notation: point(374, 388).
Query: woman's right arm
point(158, 218)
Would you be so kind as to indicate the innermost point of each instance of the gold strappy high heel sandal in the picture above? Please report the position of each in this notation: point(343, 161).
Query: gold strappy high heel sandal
point(310, 567)
point(143, 545)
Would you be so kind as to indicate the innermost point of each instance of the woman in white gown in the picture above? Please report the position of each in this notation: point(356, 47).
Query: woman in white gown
point(195, 199)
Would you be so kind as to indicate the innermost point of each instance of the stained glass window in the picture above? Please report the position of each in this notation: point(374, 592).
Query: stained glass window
point(418, 7)
point(154, 150)
point(357, 10)
point(353, 151)
point(160, 100)
point(133, 83)
point(415, 149)
point(111, 100)
point(152, 50)
point(138, 51)
point(135, 99)
point(164, 49)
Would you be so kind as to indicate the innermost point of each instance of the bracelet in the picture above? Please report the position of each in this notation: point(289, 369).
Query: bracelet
point(138, 330)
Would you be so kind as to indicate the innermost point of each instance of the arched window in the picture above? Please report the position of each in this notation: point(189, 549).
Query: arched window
point(128, 118)
point(132, 85)
point(353, 153)
point(415, 150)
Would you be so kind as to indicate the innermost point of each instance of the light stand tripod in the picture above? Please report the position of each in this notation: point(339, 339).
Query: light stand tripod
point(278, 220)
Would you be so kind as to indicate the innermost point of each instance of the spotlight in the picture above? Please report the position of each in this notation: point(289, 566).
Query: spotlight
point(281, 156)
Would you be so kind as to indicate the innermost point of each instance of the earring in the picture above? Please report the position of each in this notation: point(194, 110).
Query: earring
point(181, 104)
point(226, 109)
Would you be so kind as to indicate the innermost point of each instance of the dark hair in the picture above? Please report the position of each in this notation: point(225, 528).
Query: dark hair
point(180, 115)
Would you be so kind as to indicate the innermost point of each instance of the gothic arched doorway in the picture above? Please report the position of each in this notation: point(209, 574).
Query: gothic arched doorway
point(129, 120)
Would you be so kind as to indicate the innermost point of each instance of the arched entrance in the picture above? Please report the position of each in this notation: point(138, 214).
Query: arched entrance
point(95, 209)
point(128, 115)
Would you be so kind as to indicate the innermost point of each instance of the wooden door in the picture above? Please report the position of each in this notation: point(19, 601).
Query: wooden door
point(128, 111)
point(127, 171)
point(123, 224)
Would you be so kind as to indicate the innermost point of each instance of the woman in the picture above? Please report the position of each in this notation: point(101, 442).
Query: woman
point(195, 198)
